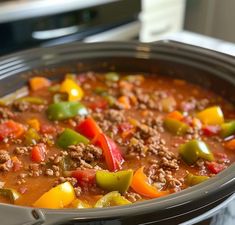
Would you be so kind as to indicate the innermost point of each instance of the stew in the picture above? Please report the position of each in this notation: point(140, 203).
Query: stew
point(98, 140)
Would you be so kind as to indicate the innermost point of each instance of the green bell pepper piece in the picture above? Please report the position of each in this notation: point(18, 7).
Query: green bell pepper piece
point(194, 179)
point(227, 129)
point(33, 100)
point(112, 76)
point(70, 137)
point(31, 136)
point(111, 199)
point(175, 126)
point(9, 193)
point(194, 149)
point(65, 110)
point(114, 181)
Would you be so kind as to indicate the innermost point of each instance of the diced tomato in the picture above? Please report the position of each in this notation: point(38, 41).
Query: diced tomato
point(11, 128)
point(210, 130)
point(38, 153)
point(99, 104)
point(85, 177)
point(111, 152)
point(17, 164)
point(214, 167)
point(88, 128)
point(47, 129)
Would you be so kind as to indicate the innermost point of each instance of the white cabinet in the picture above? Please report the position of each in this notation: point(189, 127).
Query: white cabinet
point(160, 17)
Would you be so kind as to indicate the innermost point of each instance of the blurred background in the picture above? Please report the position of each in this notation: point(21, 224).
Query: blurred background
point(31, 23)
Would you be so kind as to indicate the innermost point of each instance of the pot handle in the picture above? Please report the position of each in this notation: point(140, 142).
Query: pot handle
point(16, 215)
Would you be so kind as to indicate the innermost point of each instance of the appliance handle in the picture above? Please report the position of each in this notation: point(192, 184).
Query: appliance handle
point(55, 33)
point(15, 215)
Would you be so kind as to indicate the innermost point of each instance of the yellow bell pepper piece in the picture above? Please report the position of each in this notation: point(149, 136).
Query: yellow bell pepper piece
point(57, 197)
point(211, 116)
point(34, 123)
point(74, 91)
point(80, 204)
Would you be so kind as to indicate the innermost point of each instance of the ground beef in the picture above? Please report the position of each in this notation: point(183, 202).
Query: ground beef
point(78, 191)
point(114, 115)
point(4, 156)
point(132, 196)
point(49, 172)
point(162, 178)
point(5, 161)
point(6, 166)
point(5, 113)
point(143, 132)
point(136, 148)
point(71, 180)
point(48, 139)
point(22, 150)
point(192, 104)
point(34, 170)
point(84, 155)
point(26, 106)
point(154, 122)
point(202, 104)
point(193, 133)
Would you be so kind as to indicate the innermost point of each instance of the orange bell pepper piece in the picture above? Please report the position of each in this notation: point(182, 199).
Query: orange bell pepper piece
point(230, 145)
point(125, 102)
point(141, 186)
point(175, 115)
point(37, 83)
point(11, 128)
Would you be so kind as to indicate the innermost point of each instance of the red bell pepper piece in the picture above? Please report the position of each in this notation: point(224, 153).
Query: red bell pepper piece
point(11, 128)
point(85, 177)
point(89, 128)
point(214, 167)
point(210, 130)
point(111, 152)
point(38, 153)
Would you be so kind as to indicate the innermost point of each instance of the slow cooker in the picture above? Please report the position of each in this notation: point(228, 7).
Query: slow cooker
point(212, 70)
